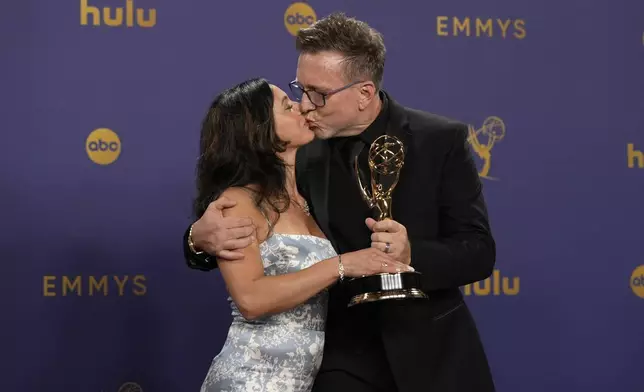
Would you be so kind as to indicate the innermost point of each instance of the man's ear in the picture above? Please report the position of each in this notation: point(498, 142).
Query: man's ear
point(368, 93)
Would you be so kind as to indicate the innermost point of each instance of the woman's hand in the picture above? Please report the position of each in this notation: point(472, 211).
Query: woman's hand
point(371, 261)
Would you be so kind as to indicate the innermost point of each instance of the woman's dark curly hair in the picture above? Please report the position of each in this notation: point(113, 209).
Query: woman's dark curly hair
point(239, 146)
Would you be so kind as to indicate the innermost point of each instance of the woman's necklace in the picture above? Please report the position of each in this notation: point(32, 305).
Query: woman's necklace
point(304, 207)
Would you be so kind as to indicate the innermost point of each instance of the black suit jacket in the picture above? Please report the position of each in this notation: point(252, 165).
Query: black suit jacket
point(430, 345)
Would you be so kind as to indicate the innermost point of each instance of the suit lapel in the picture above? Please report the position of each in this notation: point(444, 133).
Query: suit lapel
point(313, 181)
point(398, 123)
point(398, 127)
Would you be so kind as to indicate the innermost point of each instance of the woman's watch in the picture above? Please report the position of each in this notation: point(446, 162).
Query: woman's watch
point(191, 244)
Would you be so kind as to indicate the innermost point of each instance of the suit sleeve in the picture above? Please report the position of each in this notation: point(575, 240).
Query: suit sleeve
point(202, 262)
point(465, 251)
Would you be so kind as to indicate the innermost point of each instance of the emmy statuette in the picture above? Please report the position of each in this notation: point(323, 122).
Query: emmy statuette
point(386, 159)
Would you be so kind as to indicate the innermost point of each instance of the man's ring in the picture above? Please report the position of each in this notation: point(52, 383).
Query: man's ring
point(387, 245)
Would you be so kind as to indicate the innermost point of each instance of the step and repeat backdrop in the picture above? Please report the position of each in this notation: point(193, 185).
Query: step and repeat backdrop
point(101, 108)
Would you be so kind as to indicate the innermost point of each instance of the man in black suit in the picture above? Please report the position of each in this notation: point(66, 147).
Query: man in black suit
point(395, 345)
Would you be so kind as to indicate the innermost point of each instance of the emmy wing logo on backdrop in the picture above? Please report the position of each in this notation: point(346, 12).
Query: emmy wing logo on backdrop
point(484, 139)
point(298, 16)
point(454, 26)
point(124, 16)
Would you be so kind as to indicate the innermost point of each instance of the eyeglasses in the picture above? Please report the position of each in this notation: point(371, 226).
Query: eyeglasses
point(318, 99)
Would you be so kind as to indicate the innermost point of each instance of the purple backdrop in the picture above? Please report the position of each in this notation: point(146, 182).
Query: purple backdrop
point(96, 292)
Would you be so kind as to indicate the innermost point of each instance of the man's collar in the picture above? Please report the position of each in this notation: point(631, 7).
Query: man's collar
point(379, 125)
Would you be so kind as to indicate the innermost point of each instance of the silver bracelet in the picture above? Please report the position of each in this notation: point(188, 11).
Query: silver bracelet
point(340, 268)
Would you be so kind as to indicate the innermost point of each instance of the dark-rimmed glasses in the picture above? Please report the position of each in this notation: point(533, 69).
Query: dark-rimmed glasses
point(318, 99)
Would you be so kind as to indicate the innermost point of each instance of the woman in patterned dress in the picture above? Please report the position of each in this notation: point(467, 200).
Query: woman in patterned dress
point(249, 139)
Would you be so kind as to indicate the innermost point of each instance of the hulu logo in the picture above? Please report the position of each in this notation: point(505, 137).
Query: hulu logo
point(117, 16)
point(494, 285)
point(634, 158)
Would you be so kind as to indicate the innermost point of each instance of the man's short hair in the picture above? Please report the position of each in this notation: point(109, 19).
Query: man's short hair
point(362, 46)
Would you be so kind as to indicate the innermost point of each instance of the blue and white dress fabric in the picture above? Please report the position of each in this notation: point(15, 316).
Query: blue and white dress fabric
point(280, 352)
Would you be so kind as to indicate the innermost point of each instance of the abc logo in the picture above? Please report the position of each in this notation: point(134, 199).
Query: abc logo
point(637, 281)
point(297, 16)
point(103, 146)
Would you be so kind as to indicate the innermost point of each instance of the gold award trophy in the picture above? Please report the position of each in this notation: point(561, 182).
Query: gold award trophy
point(386, 159)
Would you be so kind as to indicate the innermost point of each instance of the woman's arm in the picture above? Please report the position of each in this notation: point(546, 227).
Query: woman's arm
point(257, 295)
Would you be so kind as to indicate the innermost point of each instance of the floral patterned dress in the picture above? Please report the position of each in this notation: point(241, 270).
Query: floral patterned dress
point(280, 352)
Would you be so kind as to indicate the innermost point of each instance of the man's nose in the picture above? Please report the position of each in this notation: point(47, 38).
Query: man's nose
point(306, 105)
